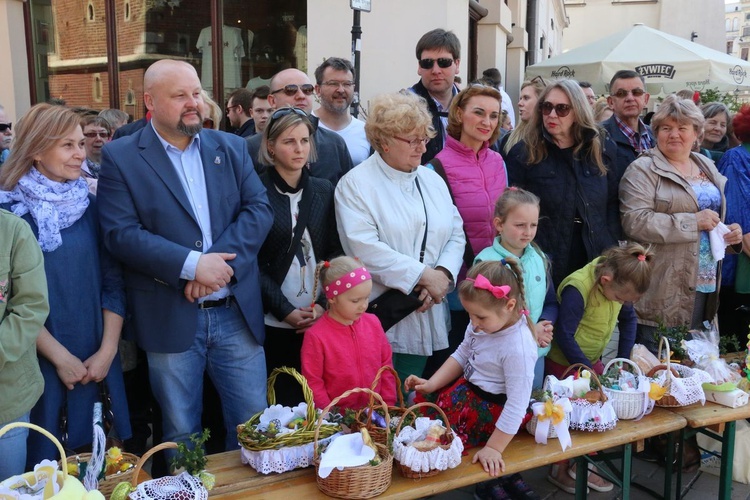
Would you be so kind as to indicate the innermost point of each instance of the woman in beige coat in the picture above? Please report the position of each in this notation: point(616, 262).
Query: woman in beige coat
point(672, 198)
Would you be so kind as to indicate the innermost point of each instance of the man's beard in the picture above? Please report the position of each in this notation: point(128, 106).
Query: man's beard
point(333, 108)
point(190, 130)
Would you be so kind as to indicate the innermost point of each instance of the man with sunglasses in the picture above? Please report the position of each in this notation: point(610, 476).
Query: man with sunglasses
point(627, 98)
point(292, 87)
point(6, 135)
point(335, 90)
point(239, 111)
point(438, 56)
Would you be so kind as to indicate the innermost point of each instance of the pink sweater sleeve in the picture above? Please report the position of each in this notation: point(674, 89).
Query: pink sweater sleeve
point(313, 361)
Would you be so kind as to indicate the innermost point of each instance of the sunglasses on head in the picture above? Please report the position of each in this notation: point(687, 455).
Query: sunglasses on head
point(292, 89)
point(562, 110)
point(443, 62)
point(6, 126)
point(92, 135)
point(622, 93)
point(280, 113)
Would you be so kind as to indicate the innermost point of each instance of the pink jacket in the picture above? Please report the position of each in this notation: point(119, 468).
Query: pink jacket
point(336, 358)
point(476, 181)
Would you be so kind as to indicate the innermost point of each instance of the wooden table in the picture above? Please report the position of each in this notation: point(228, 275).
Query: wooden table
point(718, 422)
point(237, 481)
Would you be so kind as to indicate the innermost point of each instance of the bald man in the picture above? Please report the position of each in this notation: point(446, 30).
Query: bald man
point(184, 211)
point(292, 87)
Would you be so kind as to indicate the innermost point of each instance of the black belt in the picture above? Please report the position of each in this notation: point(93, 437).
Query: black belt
point(499, 399)
point(210, 304)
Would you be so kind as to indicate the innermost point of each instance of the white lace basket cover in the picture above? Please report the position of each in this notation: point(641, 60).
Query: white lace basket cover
point(283, 459)
point(688, 388)
point(425, 461)
point(181, 487)
point(599, 416)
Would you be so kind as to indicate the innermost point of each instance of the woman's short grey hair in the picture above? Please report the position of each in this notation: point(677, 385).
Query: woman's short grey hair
point(396, 114)
point(711, 109)
point(679, 110)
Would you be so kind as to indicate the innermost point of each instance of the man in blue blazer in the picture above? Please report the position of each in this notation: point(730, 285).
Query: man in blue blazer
point(184, 211)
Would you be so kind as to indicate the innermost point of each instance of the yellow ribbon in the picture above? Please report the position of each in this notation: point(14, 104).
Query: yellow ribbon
point(657, 392)
point(553, 411)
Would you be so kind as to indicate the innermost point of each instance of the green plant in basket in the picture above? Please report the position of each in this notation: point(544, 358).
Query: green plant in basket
point(192, 458)
point(675, 335)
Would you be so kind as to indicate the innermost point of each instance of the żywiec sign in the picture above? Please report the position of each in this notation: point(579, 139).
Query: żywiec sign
point(656, 70)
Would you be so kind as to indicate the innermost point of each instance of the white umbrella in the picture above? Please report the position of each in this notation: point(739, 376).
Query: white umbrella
point(666, 61)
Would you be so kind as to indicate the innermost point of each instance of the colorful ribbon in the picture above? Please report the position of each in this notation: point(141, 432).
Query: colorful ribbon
point(553, 413)
point(499, 292)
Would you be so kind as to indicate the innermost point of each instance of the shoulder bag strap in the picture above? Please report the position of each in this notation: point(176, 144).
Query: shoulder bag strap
point(424, 238)
point(440, 170)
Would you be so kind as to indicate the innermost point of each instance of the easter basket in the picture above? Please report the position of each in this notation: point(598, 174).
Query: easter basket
point(592, 410)
point(533, 422)
point(416, 461)
point(113, 476)
point(364, 416)
point(183, 485)
point(633, 404)
point(363, 481)
point(288, 447)
point(684, 386)
point(46, 481)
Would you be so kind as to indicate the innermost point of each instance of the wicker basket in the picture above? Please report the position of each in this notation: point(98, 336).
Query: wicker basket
point(61, 476)
point(363, 418)
point(602, 407)
point(108, 483)
point(628, 405)
point(407, 471)
point(551, 433)
point(364, 481)
point(673, 372)
point(304, 435)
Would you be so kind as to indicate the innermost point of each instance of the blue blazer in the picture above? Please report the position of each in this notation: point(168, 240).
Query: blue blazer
point(148, 224)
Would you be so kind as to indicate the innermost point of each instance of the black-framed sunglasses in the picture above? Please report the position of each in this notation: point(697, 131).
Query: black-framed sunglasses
point(622, 93)
point(443, 62)
point(562, 110)
point(92, 135)
point(292, 89)
point(538, 79)
point(281, 113)
point(6, 126)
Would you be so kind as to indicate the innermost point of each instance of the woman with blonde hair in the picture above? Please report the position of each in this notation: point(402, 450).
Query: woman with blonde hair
point(564, 159)
point(527, 101)
point(211, 112)
point(398, 219)
point(41, 182)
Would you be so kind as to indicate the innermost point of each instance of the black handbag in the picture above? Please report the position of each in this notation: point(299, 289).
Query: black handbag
point(394, 305)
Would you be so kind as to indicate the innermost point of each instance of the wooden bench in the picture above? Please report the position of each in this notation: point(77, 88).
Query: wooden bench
point(237, 481)
point(717, 422)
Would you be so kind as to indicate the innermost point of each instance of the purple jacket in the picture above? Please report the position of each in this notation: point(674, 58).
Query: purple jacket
point(476, 181)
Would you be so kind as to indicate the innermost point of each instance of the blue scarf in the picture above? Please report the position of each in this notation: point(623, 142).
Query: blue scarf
point(53, 205)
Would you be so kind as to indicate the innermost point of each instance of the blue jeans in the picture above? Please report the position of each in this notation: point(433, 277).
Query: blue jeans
point(13, 449)
point(225, 347)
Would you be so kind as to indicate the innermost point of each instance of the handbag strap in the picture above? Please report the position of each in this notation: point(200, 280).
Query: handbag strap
point(424, 238)
point(299, 229)
point(468, 250)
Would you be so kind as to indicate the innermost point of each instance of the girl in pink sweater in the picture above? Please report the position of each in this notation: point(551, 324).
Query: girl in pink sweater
point(346, 347)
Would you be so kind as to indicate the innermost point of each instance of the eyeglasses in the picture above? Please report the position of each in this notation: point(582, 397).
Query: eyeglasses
point(538, 79)
point(562, 110)
point(92, 135)
point(280, 113)
point(443, 62)
point(622, 93)
point(335, 84)
point(292, 89)
point(230, 108)
point(5, 126)
point(414, 143)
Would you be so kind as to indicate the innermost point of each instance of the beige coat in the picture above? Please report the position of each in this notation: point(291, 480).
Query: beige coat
point(658, 208)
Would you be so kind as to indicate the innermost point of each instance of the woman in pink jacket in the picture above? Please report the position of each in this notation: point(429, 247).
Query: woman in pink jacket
point(476, 177)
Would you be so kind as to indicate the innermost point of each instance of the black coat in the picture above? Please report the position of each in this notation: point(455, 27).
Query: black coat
point(626, 154)
point(436, 143)
point(569, 188)
point(321, 225)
